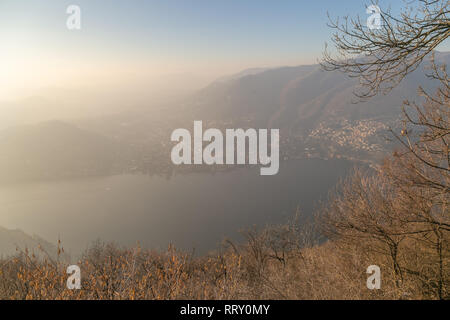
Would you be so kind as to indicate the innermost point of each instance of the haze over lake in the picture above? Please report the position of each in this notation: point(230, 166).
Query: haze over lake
point(194, 210)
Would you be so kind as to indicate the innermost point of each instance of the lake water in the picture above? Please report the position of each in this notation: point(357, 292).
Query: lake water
point(191, 210)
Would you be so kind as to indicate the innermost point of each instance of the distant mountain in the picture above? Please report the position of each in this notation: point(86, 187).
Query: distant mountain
point(246, 72)
point(315, 111)
point(53, 150)
point(299, 98)
point(12, 242)
point(308, 103)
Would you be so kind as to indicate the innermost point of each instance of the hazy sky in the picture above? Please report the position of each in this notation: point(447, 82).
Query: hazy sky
point(135, 39)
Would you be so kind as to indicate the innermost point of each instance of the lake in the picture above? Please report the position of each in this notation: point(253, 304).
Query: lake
point(194, 210)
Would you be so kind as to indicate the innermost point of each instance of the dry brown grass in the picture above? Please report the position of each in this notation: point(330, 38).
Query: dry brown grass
point(331, 270)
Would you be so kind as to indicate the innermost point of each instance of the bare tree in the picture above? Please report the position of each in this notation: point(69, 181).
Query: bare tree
point(403, 223)
point(417, 217)
point(382, 57)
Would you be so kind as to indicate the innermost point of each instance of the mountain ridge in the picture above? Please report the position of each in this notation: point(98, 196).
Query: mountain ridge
point(14, 241)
